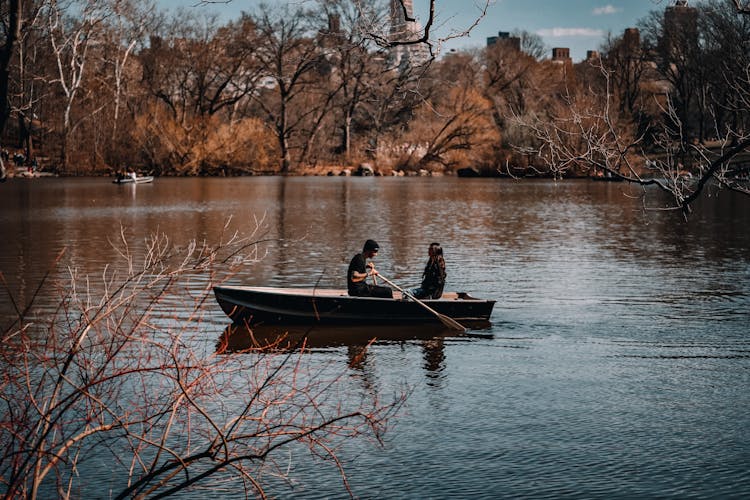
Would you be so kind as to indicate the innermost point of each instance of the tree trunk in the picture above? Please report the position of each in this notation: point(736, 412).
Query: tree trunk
point(6, 54)
point(283, 150)
point(282, 132)
point(348, 137)
point(24, 134)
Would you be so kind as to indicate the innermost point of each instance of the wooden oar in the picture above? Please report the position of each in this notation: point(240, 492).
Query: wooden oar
point(449, 322)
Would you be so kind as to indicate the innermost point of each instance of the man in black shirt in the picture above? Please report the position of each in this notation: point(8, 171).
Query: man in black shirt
point(359, 270)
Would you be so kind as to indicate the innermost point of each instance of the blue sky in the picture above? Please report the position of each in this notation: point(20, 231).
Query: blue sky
point(580, 25)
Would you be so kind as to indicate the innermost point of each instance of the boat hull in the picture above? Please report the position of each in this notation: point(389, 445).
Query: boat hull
point(261, 305)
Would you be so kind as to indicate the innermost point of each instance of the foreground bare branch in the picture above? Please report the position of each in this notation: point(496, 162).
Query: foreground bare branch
point(115, 376)
point(742, 7)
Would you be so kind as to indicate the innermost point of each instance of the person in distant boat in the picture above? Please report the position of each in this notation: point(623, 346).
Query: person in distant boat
point(433, 277)
point(132, 175)
point(360, 270)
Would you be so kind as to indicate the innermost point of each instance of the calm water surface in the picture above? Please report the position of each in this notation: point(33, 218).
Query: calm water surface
point(617, 364)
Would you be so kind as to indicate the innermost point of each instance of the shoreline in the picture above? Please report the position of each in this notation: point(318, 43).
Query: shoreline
point(23, 172)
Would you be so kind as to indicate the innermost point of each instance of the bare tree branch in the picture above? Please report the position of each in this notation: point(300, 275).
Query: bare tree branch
point(742, 8)
point(110, 374)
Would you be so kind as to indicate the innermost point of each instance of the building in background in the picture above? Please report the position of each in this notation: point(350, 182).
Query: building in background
point(405, 28)
point(505, 38)
point(631, 38)
point(561, 55)
point(680, 29)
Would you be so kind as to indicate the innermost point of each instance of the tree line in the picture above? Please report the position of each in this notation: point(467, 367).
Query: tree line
point(96, 86)
point(667, 104)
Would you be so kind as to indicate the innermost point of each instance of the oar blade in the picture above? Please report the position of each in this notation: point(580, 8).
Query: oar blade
point(451, 323)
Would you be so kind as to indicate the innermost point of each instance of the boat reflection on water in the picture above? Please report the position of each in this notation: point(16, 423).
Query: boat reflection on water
point(355, 339)
point(238, 338)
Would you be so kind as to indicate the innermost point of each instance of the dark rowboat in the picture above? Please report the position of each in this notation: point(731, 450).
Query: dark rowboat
point(266, 305)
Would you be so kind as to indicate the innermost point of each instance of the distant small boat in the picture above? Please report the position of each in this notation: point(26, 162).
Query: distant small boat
point(137, 180)
point(35, 174)
point(270, 305)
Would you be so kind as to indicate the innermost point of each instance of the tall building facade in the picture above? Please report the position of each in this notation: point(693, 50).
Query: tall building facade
point(404, 28)
point(679, 38)
point(631, 39)
point(680, 24)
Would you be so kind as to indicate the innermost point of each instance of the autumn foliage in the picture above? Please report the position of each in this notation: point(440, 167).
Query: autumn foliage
point(99, 86)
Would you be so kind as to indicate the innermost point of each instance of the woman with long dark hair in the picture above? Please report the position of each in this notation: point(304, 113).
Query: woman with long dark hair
point(433, 277)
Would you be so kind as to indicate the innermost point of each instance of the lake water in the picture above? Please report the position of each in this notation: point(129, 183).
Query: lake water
point(617, 364)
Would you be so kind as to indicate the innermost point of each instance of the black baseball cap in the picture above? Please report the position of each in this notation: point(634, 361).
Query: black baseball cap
point(371, 246)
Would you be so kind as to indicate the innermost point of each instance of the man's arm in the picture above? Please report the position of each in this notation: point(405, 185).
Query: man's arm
point(358, 277)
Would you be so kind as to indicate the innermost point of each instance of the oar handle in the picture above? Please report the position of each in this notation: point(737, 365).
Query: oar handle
point(398, 287)
point(372, 268)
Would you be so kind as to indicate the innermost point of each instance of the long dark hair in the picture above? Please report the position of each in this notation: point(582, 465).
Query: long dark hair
point(436, 256)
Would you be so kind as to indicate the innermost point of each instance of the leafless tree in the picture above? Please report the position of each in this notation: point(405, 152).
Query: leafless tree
point(592, 135)
point(627, 65)
point(378, 28)
point(126, 30)
point(453, 124)
point(380, 31)
point(355, 66)
point(27, 88)
point(743, 7)
point(509, 76)
point(291, 59)
point(199, 75)
point(74, 29)
point(531, 44)
point(200, 69)
point(12, 33)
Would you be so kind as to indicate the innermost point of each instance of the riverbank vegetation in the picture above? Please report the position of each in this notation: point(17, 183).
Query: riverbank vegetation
point(106, 376)
point(95, 87)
